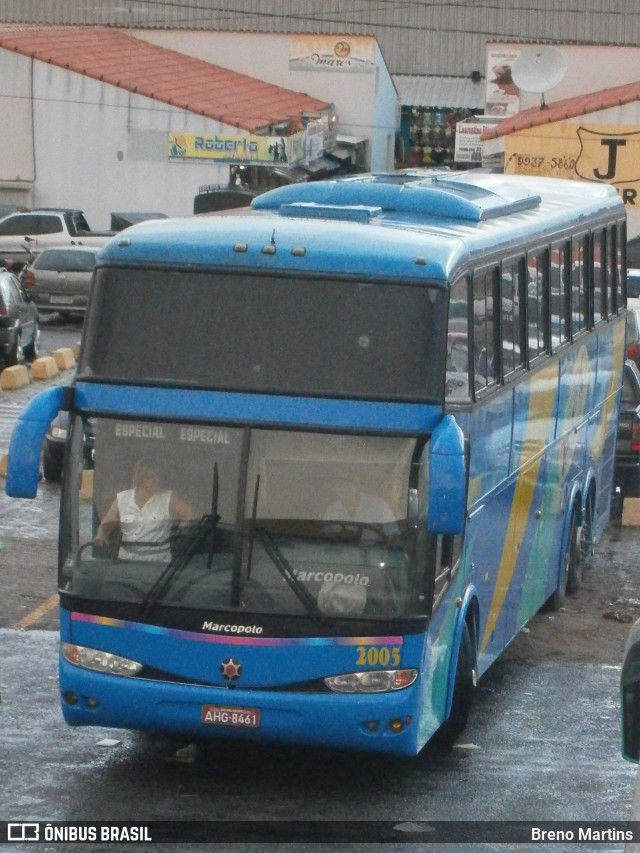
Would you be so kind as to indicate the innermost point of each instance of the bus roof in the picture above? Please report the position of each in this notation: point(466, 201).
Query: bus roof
point(427, 223)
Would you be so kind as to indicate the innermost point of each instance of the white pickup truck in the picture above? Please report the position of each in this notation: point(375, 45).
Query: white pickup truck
point(26, 233)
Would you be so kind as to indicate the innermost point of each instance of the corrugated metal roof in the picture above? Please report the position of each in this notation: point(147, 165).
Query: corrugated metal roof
point(119, 59)
point(568, 108)
point(415, 38)
point(453, 92)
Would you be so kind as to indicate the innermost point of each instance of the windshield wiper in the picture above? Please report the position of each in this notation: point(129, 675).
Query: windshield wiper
point(284, 567)
point(206, 526)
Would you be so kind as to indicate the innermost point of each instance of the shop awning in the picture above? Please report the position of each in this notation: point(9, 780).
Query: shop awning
point(417, 90)
point(321, 165)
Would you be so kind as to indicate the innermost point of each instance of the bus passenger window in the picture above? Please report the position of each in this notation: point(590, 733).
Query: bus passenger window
point(579, 308)
point(599, 276)
point(484, 327)
point(512, 344)
point(457, 379)
point(537, 304)
point(558, 289)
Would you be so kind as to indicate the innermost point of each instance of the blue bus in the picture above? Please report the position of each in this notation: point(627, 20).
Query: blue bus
point(343, 446)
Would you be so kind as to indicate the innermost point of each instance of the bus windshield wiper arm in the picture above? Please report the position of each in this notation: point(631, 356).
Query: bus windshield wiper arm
point(284, 567)
point(178, 562)
point(206, 525)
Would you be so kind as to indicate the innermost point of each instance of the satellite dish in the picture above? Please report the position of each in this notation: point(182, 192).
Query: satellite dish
point(538, 69)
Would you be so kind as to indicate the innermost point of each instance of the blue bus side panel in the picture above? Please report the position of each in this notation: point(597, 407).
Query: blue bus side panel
point(532, 452)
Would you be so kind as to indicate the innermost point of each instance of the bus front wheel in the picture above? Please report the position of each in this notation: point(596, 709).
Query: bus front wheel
point(572, 567)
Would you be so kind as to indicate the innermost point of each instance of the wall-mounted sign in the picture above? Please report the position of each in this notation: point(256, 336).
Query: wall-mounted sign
point(331, 53)
point(237, 148)
point(503, 96)
point(468, 147)
point(601, 153)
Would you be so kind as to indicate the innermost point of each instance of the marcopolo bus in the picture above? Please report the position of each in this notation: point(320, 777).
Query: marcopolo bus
point(345, 445)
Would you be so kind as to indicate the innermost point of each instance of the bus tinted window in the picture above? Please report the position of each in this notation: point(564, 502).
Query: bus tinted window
point(537, 304)
point(485, 287)
point(512, 349)
point(599, 276)
point(244, 332)
point(579, 307)
point(559, 291)
point(457, 383)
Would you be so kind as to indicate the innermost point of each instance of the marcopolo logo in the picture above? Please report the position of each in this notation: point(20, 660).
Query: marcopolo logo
point(354, 579)
point(217, 628)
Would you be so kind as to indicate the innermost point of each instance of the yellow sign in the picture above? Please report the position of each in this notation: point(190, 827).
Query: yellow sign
point(608, 154)
point(237, 148)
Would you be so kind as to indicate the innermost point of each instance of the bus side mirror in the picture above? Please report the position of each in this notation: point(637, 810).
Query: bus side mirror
point(630, 695)
point(447, 479)
point(23, 464)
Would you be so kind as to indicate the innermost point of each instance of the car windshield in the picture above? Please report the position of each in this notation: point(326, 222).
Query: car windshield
point(66, 260)
point(219, 518)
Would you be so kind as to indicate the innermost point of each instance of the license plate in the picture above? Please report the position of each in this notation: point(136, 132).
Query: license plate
point(223, 715)
point(61, 300)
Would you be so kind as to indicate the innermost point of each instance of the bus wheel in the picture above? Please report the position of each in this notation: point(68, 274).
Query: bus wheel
point(571, 566)
point(463, 691)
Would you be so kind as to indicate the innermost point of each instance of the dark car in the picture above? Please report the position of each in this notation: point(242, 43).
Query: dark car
point(630, 695)
point(60, 279)
point(19, 324)
point(54, 444)
point(627, 467)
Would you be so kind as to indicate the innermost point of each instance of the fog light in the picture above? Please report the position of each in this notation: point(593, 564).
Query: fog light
point(91, 703)
point(70, 698)
point(372, 725)
point(396, 725)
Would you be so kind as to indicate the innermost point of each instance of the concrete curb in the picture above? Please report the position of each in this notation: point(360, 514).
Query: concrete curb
point(45, 367)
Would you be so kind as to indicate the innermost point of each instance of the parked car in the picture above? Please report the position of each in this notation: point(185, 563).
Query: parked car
point(54, 445)
point(60, 279)
point(630, 696)
point(627, 465)
point(19, 322)
point(633, 331)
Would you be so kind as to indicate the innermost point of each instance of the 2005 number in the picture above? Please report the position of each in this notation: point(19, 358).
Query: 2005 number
point(378, 656)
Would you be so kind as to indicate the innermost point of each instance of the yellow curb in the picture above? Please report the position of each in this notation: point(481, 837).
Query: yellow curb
point(631, 512)
point(44, 368)
point(14, 377)
point(64, 358)
point(4, 459)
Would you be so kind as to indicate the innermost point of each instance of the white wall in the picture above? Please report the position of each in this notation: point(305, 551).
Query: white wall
point(589, 68)
point(103, 149)
point(17, 165)
point(366, 103)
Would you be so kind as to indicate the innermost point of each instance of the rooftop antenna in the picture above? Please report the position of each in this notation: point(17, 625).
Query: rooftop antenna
point(539, 69)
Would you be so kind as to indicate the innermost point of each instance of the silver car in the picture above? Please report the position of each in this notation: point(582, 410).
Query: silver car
point(60, 279)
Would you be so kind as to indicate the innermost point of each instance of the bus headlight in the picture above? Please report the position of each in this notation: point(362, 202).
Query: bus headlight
point(99, 661)
point(374, 681)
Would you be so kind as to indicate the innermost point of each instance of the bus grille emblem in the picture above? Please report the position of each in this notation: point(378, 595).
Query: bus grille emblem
point(231, 669)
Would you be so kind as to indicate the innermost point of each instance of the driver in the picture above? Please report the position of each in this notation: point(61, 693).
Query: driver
point(145, 515)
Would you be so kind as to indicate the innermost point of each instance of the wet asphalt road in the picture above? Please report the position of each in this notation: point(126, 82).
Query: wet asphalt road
point(542, 743)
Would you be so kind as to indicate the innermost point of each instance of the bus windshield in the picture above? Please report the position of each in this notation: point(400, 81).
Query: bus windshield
point(236, 519)
point(244, 331)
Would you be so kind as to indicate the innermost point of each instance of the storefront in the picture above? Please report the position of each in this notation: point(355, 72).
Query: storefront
point(432, 108)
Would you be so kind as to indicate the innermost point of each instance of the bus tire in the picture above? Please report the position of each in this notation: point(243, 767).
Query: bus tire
point(463, 691)
point(570, 566)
